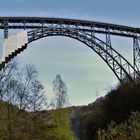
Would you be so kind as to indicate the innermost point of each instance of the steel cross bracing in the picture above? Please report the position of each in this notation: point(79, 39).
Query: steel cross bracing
point(83, 31)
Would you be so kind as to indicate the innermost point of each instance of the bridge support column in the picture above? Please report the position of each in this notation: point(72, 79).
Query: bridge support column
point(108, 42)
point(136, 55)
point(108, 39)
point(92, 32)
point(5, 28)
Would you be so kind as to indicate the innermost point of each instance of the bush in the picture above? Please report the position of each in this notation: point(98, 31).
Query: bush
point(128, 130)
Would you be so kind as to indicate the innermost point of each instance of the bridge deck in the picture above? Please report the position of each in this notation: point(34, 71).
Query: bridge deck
point(38, 22)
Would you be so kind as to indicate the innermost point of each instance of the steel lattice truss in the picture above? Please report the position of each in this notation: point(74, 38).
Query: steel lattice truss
point(84, 31)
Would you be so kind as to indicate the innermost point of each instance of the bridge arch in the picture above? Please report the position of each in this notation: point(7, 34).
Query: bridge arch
point(117, 63)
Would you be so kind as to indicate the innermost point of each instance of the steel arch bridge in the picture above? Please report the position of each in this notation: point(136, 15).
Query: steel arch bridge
point(83, 31)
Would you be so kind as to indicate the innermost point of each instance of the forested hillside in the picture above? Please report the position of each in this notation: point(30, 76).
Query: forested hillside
point(111, 115)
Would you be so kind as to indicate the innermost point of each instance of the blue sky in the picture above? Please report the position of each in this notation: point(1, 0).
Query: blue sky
point(83, 71)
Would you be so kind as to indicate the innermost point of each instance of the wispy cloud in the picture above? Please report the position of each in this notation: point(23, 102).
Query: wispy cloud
point(63, 13)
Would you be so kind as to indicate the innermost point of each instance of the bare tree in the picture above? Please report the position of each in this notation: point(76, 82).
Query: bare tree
point(60, 90)
point(25, 78)
point(5, 75)
point(36, 99)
